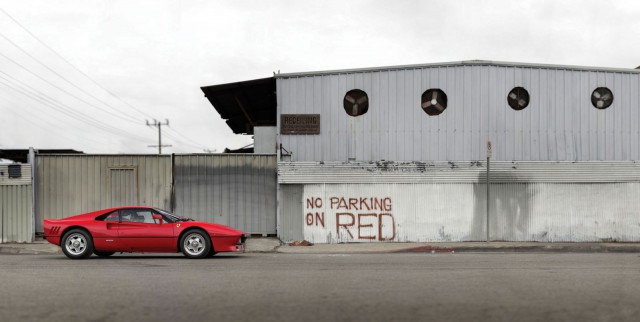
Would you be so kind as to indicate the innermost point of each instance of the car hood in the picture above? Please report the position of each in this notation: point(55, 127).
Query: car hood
point(216, 228)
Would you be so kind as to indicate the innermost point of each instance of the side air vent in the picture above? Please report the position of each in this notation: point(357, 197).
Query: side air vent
point(356, 102)
point(601, 98)
point(434, 101)
point(518, 98)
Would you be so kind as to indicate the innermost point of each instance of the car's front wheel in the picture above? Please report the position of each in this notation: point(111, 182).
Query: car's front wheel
point(195, 244)
point(77, 244)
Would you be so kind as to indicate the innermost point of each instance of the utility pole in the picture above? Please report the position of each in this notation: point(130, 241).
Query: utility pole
point(159, 126)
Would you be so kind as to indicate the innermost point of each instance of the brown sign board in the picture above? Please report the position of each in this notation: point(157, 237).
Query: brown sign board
point(300, 124)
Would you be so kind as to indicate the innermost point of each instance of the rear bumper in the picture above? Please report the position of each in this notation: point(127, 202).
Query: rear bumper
point(53, 239)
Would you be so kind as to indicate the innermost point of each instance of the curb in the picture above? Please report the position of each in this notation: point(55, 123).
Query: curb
point(40, 249)
point(578, 248)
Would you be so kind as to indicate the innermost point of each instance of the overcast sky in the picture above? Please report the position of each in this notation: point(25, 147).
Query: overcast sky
point(123, 62)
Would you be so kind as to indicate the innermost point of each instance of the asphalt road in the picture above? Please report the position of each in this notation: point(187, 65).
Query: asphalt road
point(288, 287)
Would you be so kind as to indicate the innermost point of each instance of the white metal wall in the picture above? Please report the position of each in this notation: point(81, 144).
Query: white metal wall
point(457, 212)
point(16, 206)
point(447, 201)
point(560, 123)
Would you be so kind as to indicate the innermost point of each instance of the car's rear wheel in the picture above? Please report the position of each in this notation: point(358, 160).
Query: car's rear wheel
point(103, 254)
point(77, 244)
point(195, 244)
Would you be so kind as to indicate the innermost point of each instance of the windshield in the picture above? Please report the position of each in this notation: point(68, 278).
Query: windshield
point(170, 217)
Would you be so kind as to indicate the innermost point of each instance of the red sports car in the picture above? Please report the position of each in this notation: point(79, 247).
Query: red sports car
point(139, 229)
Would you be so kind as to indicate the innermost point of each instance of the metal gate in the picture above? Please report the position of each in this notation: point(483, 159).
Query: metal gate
point(238, 190)
point(124, 186)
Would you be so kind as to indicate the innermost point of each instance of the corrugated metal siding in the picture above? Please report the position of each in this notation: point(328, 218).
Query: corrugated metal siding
point(291, 220)
point(560, 124)
point(457, 172)
point(25, 175)
point(16, 213)
point(231, 189)
point(73, 184)
point(543, 212)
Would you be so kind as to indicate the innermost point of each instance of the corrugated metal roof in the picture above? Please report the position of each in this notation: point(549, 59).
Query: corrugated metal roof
point(457, 63)
point(457, 172)
point(245, 104)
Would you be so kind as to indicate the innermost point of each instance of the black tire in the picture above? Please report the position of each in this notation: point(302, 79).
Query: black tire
point(195, 244)
point(77, 244)
point(211, 252)
point(103, 254)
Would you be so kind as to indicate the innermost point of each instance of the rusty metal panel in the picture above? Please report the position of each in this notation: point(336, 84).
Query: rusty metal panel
point(238, 190)
point(560, 124)
point(16, 213)
point(458, 172)
point(73, 184)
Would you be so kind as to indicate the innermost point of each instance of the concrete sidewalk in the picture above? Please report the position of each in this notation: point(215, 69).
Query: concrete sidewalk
point(462, 247)
point(273, 245)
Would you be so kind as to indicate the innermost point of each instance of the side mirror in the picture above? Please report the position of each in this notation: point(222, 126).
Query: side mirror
point(157, 218)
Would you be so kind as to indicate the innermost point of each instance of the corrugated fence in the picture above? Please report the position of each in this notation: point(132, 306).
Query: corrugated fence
point(235, 190)
point(16, 204)
point(232, 189)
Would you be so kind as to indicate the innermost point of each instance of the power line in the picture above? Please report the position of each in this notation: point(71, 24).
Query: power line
point(129, 119)
point(70, 64)
point(62, 108)
point(51, 84)
point(46, 122)
point(132, 118)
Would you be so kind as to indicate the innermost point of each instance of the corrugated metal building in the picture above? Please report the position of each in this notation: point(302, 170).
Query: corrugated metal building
point(399, 153)
point(16, 203)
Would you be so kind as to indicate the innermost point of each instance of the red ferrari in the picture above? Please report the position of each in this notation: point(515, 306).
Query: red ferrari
point(139, 229)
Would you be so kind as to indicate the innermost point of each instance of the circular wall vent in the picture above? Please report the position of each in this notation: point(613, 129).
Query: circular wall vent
point(518, 98)
point(356, 102)
point(601, 98)
point(434, 101)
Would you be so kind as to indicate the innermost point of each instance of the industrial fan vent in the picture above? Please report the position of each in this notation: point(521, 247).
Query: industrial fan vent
point(518, 98)
point(601, 98)
point(356, 102)
point(434, 101)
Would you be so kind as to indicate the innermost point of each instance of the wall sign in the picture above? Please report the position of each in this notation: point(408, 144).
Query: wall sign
point(300, 124)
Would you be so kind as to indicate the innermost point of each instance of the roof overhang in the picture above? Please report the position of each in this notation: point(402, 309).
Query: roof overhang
point(245, 105)
point(22, 155)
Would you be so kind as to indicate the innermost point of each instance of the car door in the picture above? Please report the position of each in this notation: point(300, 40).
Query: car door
point(139, 232)
point(105, 233)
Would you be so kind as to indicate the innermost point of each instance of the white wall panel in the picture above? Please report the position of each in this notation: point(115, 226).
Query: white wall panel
point(542, 212)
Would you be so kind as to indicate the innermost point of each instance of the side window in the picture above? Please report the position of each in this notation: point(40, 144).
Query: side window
point(112, 216)
point(146, 216)
point(137, 215)
point(126, 215)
